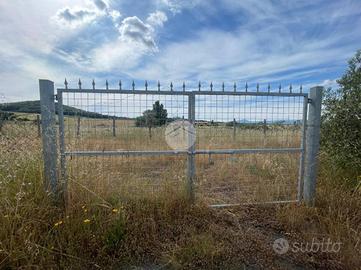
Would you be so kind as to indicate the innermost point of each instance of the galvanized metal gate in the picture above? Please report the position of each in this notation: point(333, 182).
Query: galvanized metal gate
point(250, 144)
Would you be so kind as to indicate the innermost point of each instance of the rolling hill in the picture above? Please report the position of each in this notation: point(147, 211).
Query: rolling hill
point(34, 107)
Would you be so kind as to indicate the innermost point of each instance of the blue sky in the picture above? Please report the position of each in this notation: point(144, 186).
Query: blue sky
point(298, 42)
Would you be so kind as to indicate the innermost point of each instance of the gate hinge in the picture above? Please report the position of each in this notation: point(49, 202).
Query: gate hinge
point(309, 100)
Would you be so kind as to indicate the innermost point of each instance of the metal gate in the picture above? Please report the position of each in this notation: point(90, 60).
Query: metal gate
point(249, 145)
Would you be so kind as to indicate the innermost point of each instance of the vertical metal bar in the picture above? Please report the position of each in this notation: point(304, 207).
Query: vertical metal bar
point(47, 107)
point(264, 132)
point(234, 129)
point(62, 144)
point(78, 126)
point(114, 134)
point(312, 144)
point(191, 150)
point(265, 127)
point(38, 125)
point(301, 169)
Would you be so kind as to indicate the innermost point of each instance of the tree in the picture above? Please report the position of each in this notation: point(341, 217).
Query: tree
point(152, 118)
point(160, 113)
point(341, 120)
point(5, 116)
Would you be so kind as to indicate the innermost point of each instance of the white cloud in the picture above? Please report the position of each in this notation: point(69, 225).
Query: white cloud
point(136, 39)
point(80, 15)
point(176, 6)
point(134, 30)
point(115, 15)
point(100, 4)
point(118, 55)
point(157, 18)
point(243, 55)
point(75, 16)
point(329, 84)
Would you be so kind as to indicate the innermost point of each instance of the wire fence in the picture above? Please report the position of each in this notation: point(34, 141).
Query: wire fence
point(248, 144)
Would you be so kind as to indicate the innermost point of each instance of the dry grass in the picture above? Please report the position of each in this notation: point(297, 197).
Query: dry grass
point(137, 216)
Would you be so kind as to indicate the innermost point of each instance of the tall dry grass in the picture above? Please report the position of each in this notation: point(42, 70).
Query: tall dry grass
point(123, 215)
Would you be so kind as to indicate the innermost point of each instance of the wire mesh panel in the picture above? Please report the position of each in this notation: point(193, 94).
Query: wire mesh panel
point(248, 145)
point(256, 123)
point(228, 122)
point(106, 136)
point(113, 121)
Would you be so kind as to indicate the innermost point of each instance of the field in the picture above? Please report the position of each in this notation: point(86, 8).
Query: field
point(132, 212)
point(221, 179)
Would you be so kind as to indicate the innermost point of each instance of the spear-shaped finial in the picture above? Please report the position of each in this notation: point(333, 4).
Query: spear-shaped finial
point(120, 84)
point(234, 87)
point(93, 83)
point(301, 88)
point(246, 87)
point(79, 83)
point(184, 87)
point(171, 86)
point(146, 85)
point(257, 87)
point(211, 86)
point(269, 88)
point(290, 88)
point(106, 84)
point(199, 86)
point(133, 85)
point(158, 85)
point(222, 86)
point(279, 88)
point(66, 84)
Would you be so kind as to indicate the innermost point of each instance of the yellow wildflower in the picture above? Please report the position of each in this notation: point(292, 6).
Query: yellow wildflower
point(58, 223)
point(86, 220)
point(115, 210)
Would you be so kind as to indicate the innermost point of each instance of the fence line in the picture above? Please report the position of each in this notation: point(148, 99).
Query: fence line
point(216, 107)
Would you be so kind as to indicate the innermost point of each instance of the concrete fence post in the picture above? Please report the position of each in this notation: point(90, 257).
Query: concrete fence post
point(312, 144)
point(48, 134)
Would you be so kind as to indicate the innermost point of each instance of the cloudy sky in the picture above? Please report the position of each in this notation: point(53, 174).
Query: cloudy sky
point(299, 42)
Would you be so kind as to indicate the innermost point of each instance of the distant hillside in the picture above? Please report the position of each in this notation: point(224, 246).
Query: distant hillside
point(34, 107)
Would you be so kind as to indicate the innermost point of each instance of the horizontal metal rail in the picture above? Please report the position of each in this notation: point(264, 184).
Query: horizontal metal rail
point(251, 203)
point(181, 152)
point(156, 92)
point(125, 153)
point(249, 151)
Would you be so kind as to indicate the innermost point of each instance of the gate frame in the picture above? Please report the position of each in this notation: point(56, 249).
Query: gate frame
point(310, 135)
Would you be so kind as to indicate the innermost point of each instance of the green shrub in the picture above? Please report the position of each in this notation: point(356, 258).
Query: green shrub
point(341, 119)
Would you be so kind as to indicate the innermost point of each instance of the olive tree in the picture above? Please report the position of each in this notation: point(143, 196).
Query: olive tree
point(341, 119)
